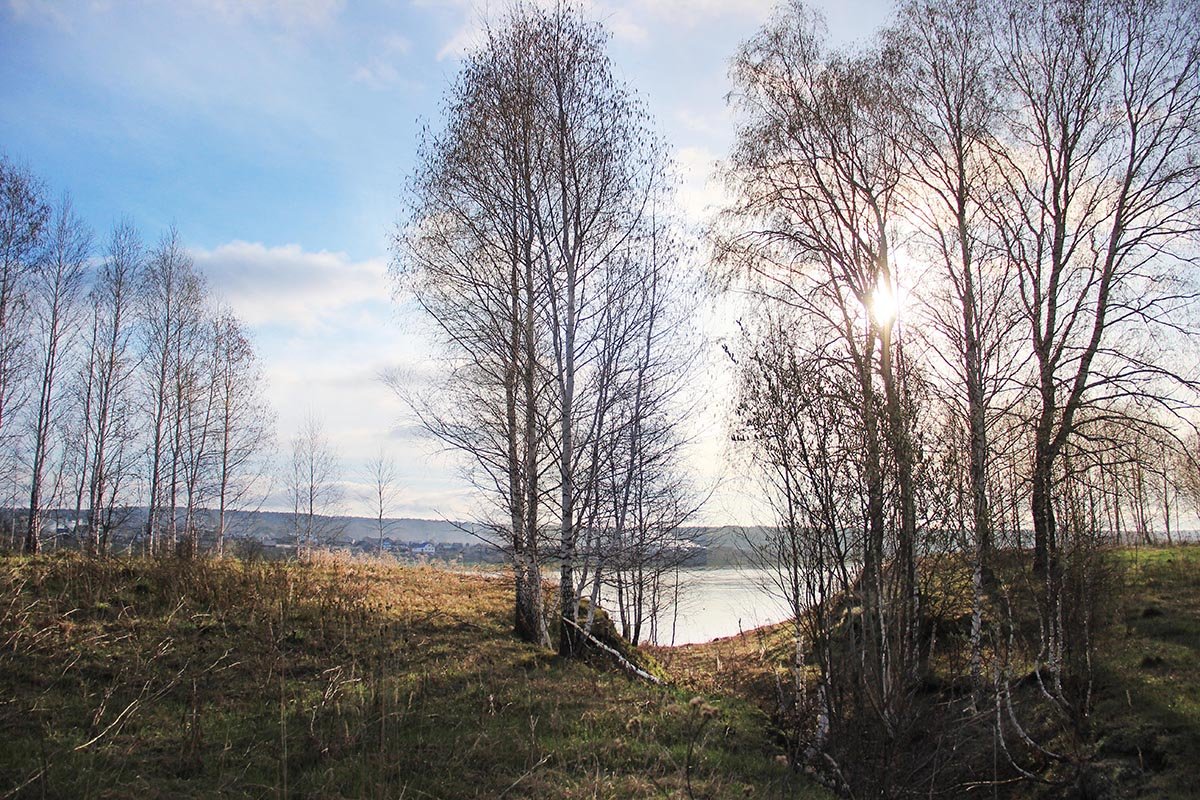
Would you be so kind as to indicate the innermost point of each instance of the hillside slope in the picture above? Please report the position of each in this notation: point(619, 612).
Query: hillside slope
point(1143, 734)
point(337, 679)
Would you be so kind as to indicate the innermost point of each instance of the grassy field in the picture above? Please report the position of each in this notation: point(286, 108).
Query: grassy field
point(342, 678)
point(333, 679)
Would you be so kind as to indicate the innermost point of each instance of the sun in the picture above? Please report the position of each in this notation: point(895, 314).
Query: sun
point(885, 305)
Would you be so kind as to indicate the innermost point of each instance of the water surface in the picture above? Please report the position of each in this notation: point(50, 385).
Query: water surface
point(718, 602)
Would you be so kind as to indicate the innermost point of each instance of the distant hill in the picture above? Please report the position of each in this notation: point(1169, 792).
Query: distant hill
point(272, 525)
point(269, 526)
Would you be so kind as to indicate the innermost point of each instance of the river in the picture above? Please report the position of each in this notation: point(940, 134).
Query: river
point(718, 602)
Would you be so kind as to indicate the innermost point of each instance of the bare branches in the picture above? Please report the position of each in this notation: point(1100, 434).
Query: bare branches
point(55, 290)
point(971, 240)
point(381, 471)
point(531, 243)
point(313, 483)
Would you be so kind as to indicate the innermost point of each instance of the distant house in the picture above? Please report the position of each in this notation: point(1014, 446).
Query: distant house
point(424, 549)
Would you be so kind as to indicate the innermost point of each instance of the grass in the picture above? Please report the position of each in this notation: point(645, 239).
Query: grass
point(753, 665)
point(1147, 717)
point(336, 678)
point(1145, 723)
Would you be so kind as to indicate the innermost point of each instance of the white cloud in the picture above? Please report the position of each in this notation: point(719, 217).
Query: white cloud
point(377, 74)
point(288, 13)
point(700, 192)
point(285, 13)
point(708, 123)
point(397, 44)
point(620, 20)
point(462, 41)
point(53, 12)
point(380, 71)
point(691, 11)
point(622, 23)
point(326, 330)
point(287, 285)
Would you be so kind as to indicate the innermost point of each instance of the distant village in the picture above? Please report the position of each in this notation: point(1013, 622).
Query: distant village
point(269, 535)
point(262, 540)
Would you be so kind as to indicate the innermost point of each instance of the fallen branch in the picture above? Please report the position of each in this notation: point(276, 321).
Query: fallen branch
point(119, 719)
point(622, 660)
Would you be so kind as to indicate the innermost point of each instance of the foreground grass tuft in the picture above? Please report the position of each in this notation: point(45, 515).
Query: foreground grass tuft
point(335, 678)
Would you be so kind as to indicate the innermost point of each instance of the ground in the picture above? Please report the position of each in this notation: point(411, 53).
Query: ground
point(363, 678)
point(1147, 717)
point(334, 679)
point(1145, 723)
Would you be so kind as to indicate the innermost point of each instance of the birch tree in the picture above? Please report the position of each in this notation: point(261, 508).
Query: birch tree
point(384, 492)
point(55, 291)
point(523, 247)
point(953, 105)
point(817, 173)
point(468, 256)
point(602, 171)
point(314, 486)
point(109, 432)
point(243, 424)
point(170, 303)
point(24, 216)
point(1105, 183)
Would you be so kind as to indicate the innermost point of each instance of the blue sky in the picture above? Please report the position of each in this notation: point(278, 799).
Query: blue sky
point(276, 135)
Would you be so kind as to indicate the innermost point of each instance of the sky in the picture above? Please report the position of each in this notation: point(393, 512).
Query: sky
point(276, 136)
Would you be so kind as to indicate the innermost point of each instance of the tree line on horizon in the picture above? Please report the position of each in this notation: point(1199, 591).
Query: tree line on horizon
point(968, 246)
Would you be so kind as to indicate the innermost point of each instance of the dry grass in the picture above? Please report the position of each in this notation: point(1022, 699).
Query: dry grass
point(754, 665)
point(331, 678)
point(1147, 718)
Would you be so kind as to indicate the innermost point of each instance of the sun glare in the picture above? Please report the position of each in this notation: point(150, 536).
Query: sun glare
point(885, 306)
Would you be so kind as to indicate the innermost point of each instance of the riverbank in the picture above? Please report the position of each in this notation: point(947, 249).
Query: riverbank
point(364, 678)
point(1144, 730)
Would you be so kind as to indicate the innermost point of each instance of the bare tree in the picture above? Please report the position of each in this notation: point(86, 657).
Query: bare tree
point(171, 306)
point(24, 216)
point(107, 430)
point(313, 484)
point(521, 246)
point(1041, 157)
point(953, 103)
point(637, 540)
point(796, 409)
point(243, 427)
point(385, 490)
point(1102, 182)
point(468, 257)
point(197, 439)
point(1105, 187)
point(601, 172)
point(55, 290)
point(817, 172)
